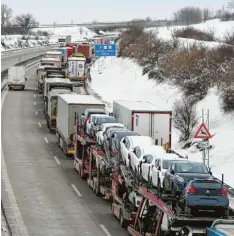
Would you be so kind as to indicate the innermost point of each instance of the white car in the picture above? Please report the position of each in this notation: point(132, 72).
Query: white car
point(91, 120)
point(154, 167)
point(104, 127)
point(128, 143)
point(138, 153)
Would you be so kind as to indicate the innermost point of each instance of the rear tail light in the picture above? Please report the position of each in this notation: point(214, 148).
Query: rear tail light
point(86, 119)
point(224, 192)
point(53, 122)
point(191, 191)
point(130, 219)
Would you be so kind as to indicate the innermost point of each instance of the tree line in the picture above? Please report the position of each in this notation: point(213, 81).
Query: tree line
point(25, 22)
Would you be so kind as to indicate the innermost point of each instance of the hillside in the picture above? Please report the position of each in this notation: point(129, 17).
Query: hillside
point(121, 78)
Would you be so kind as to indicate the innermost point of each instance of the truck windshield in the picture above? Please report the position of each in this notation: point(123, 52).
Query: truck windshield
point(104, 120)
point(166, 163)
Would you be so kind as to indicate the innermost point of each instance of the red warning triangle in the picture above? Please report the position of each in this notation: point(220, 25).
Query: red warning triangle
point(202, 132)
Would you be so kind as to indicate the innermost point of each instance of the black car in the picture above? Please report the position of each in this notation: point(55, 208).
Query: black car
point(116, 137)
point(107, 137)
point(101, 120)
point(180, 173)
point(204, 196)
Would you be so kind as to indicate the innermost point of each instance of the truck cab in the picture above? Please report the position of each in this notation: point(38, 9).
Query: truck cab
point(50, 61)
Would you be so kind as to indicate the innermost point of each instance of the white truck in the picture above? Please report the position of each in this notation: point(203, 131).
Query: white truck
point(16, 77)
point(76, 70)
point(52, 106)
point(56, 62)
point(52, 83)
point(146, 119)
point(70, 106)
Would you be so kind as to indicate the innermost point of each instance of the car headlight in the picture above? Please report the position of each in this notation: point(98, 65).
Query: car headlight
point(180, 179)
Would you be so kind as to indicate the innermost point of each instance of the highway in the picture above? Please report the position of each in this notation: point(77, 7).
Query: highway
point(13, 57)
point(42, 193)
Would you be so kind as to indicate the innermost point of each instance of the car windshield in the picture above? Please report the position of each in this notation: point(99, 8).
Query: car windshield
point(103, 120)
point(191, 168)
point(166, 163)
point(207, 184)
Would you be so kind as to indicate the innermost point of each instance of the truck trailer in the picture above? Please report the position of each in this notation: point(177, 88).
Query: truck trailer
point(16, 77)
point(70, 106)
point(52, 106)
point(146, 119)
point(86, 50)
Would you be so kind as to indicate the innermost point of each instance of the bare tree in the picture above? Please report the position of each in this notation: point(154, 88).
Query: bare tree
point(6, 14)
point(185, 118)
point(231, 4)
point(188, 15)
point(206, 14)
point(26, 21)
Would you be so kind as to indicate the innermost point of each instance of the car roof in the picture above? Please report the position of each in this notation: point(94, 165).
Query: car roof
point(105, 125)
point(171, 156)
point(155, 149)
point(139, 138)
point(97, 115)
point(108, 117)
point(94, 110)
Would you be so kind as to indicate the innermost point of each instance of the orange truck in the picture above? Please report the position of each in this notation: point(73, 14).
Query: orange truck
point(86, 50)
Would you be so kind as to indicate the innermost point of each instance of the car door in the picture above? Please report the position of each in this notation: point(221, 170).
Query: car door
point(114, 144)
point(124, 145)
point(169, 176)
point(136, 154)
point(88, 125)
point(154, 172)
point(147, 167)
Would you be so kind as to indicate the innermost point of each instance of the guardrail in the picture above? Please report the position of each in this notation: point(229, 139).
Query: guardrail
point(3, 53)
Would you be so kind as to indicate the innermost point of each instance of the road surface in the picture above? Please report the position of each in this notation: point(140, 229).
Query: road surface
point(41, 191)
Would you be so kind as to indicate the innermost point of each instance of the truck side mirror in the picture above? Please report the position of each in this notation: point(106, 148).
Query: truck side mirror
point(172, 172)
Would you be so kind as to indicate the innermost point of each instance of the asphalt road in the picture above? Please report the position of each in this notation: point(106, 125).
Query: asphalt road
point(12, 58)
point(42, 193)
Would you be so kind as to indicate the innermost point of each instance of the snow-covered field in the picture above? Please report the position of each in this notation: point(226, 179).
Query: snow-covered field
point(118, 78)
point(10, 42)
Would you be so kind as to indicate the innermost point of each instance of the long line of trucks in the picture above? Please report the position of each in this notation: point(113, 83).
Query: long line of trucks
point(141, 208)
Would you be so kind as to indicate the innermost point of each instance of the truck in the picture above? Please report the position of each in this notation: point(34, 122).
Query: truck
point(64, 53)
point(41, 74)
point(52, 106)
point(16, 77)
point(76, 70)
point(146, 119)
point(70, 106)
point(50, 61)
point(52, 83)
point(54, 54)
point(86, 50)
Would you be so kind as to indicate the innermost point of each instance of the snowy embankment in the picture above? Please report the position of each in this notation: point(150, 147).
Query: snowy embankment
point(118, 78)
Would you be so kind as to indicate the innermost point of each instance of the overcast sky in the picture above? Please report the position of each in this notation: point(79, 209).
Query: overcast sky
point(62, 11)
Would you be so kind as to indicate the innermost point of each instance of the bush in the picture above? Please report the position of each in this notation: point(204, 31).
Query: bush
point(156, 74)
point(227, 96)
point(193, 33)
point(229, 38)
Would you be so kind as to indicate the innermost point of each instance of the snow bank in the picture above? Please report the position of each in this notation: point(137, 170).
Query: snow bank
point(117, 78)
point(10, 42)
point(77, 33)
point(220, 28)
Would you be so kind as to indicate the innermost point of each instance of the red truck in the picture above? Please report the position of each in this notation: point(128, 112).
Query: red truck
point(86, 50)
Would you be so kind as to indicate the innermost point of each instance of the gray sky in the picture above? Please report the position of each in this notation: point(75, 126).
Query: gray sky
point(62, 11)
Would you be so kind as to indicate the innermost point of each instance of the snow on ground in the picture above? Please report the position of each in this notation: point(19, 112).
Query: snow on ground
point(220, 28)
point(10, 42)
point(76, 32)
point(121, 79)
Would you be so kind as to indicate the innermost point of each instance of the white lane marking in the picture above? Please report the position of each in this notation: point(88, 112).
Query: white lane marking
point(46, 140)
point(39, 124)
point(57, 160)
point(76, 190)
point(105, 230)
point(35, 103)
point(35, 95)
point(36, 113)
point(9, 190)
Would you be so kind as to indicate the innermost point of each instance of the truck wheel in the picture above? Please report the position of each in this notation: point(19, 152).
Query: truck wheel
point(22, 88)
